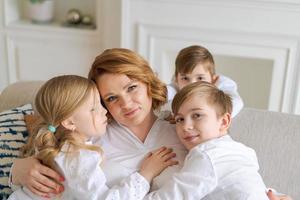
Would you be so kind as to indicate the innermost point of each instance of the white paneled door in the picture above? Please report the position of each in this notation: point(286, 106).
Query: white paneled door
point(254, 42)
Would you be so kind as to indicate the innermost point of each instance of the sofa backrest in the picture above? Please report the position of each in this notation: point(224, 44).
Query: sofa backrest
point(19, 93)
point(276, 139)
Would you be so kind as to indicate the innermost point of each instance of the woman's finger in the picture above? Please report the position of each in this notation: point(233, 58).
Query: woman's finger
point(49, 186)
point(37, 192)
point(51, 173)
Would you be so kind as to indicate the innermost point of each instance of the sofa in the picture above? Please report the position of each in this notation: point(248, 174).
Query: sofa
point(275, 137)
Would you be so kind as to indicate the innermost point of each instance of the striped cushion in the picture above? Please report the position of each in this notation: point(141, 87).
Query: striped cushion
point(13, 135)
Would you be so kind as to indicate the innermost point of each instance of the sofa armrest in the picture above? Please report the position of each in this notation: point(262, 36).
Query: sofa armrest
point(18, 94)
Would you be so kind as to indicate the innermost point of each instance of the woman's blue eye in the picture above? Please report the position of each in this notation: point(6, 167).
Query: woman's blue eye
point(131, 88)
point(111, 98)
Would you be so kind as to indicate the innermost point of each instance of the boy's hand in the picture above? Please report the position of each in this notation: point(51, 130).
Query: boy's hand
point(155, 162)
point(272, 196)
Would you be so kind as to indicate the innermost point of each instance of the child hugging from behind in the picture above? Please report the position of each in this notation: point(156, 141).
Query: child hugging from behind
point(195, 63)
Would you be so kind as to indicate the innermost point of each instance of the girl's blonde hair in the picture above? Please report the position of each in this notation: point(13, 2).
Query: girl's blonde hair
point(131, 64)
point(213, 96)
point(55, 101)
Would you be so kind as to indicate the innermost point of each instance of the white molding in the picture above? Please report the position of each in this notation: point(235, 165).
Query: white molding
point(2, 17)
point(13, 62)
point(297, 101)
point(282, 50)
point(125, 14)
point(3, 63)
point(283, 5)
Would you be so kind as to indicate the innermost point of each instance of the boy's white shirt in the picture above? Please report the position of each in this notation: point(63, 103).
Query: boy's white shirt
point(223, 83)
point(217, 169)
point(84, 179)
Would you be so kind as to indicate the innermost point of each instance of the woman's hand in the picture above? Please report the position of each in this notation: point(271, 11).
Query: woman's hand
point(39, 179)
point(155, 162)
point(272, 196)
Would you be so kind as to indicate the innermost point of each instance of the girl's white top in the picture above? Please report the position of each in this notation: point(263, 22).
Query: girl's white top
point(84, 179)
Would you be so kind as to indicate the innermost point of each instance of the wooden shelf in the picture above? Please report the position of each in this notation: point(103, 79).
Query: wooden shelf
point(53, 27)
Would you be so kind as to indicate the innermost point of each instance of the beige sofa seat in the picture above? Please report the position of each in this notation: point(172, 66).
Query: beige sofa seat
point(275, 137)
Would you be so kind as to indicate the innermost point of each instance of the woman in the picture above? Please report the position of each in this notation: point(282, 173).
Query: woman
point(131, 92)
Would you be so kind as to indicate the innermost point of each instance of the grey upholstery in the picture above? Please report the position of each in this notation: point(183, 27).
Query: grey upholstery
point(276, 140)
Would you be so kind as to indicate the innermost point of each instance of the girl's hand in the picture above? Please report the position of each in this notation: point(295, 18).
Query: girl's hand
point(272, 196)
point(155, 162)
point(39, 179)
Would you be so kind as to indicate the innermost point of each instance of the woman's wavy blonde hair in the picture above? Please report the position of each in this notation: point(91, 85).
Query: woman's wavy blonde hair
point(55, 101)
point(131, 64)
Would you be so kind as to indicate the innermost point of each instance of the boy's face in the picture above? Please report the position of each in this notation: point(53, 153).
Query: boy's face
point(197, 122)
point(199, 73)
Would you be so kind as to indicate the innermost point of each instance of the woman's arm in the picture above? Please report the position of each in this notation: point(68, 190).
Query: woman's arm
point(39, 179)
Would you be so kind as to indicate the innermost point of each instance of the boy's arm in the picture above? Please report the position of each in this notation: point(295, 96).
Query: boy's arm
point(228, 86)
point(85, 179)
point(195, 180)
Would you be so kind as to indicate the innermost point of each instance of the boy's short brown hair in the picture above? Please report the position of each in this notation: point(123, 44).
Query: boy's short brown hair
point(189, 57)
point(213, 96)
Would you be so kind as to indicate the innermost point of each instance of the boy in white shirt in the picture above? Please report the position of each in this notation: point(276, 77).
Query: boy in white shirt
point(196, 63)
point(216, 166)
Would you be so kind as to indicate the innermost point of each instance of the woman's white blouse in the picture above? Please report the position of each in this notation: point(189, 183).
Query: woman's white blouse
point(84, 179)
point(124, 152)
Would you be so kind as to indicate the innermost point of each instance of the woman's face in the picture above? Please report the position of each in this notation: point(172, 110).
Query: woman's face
point(127, 100)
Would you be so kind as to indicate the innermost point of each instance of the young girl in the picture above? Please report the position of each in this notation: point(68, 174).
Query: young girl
point(71, 116)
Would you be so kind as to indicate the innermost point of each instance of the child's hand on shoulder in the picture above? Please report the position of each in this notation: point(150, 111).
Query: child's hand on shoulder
point(156, 161)
point(170, 118)
point(215, 79)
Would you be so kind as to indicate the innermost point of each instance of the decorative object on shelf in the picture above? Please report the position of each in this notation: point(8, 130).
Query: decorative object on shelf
point(41, 11)
point(87, 20)
point(75, 19)
point(73, 16)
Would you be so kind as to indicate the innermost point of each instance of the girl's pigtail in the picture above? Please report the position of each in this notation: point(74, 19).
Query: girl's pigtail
point(46, 145)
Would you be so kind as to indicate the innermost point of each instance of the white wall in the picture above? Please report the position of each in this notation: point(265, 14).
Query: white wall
point(38, 52)
point(256, 42)
point(245, 30)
